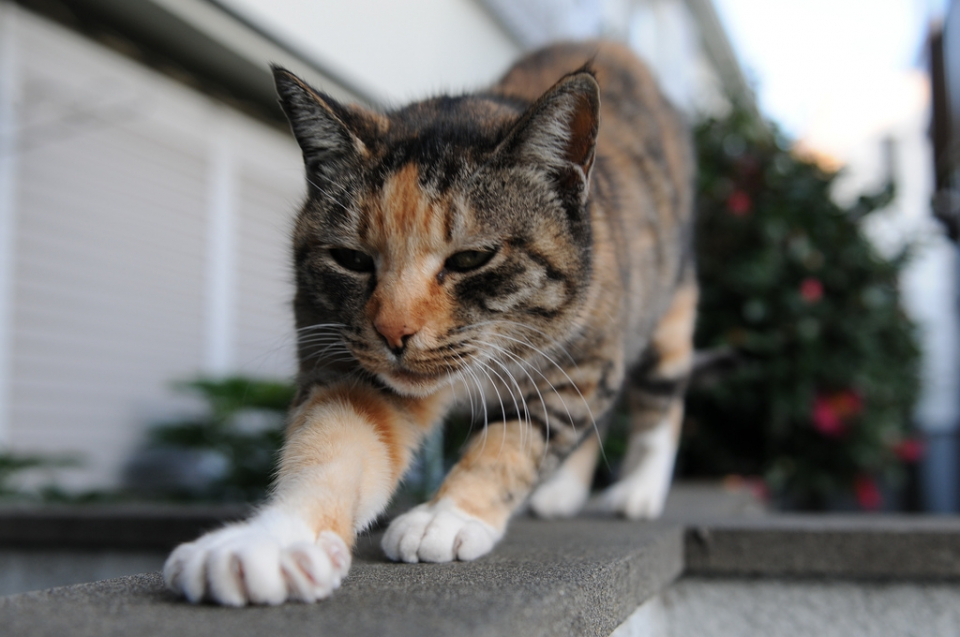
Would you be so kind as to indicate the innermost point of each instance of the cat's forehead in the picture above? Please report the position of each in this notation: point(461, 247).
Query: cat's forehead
point(477, 118)
point(443, 134)
point(407, 218)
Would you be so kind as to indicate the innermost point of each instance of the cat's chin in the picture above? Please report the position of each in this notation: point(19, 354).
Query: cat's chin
point(411, 383)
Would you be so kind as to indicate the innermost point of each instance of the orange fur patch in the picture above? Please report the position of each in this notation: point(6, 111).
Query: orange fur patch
point(673, 338)
point(497, 471)
point(408, 231)
point(347, 448)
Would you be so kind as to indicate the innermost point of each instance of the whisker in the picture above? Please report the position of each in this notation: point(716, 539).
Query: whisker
point(320, 326)
point(546, 412)
point(520, 415)
point(572, 384)
point(332, 195)
point(529, 422)
point(505, 384)
point(553, 341)
point(526, 424)
point(483, 402)
point(503, 410)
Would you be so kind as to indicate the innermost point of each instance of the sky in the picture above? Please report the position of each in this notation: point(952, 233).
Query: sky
point(832, 71)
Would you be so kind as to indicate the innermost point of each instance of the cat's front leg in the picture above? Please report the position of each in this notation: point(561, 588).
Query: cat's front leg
point(346, 449)
point(469, 513)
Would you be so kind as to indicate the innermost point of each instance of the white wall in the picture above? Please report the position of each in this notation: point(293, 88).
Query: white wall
point(396, 51)
point(664, 33)
point(131, 192)
point(929, 282)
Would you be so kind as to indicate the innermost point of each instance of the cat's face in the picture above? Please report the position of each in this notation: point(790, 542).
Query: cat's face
point(448, 238)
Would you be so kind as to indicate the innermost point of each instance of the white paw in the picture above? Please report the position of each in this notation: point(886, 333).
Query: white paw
point(642, 492)
point(269, 559)
point(562, 496)
point(637, 497)
point(438, 532)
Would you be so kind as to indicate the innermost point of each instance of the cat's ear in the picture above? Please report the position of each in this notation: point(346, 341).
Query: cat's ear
point(559, 132)
point(326, 131)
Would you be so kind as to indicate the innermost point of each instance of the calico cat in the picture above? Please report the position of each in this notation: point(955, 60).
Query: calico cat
point(525, 251)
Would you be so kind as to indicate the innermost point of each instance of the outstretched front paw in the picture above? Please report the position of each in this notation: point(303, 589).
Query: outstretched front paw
point(267, 560)
point(438, 532)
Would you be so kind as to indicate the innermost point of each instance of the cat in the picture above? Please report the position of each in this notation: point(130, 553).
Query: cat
point(525, 251)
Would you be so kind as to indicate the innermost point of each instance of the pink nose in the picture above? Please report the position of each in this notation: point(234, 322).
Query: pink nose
point(395, 332)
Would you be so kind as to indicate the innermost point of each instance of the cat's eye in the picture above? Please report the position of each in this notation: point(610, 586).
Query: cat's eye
point(353, 259)
point(468, 260)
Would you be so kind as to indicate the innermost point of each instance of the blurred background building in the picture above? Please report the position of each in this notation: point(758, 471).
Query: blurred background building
point(148, 182)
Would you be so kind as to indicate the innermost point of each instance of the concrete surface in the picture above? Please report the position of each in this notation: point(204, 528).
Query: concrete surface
point(846, 546)
point(49, 545)
point(709, 607)
point(579, 577)
point(746, 573)
point(27, 569)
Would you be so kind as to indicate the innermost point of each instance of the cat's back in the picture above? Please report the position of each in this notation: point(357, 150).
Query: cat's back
point(622, 77)
point(639, 128)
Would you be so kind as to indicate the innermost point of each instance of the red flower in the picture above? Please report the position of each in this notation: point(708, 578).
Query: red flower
point(811, 290)
point(831, 412)
point(868, 493)
point(739, 203)
point(754, 484)
point(909, 450)
point(826, 420)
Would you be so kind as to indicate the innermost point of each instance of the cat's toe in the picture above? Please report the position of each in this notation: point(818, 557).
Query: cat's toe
point(254, 563)
point(438, 532)
point(313, 571)
point(247, 570)
point(185, 571)
point(562, 496)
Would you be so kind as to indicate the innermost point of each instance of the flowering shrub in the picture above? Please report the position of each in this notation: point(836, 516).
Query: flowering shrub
point(818, 401)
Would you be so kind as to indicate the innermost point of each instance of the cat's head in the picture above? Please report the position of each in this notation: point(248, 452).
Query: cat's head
point(448, 237)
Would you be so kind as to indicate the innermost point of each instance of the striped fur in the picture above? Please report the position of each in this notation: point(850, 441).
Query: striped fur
point(524, 251)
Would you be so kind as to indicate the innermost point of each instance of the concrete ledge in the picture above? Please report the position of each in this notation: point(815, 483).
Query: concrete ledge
point(847, 547)
point(579, 577)
point(122, 526)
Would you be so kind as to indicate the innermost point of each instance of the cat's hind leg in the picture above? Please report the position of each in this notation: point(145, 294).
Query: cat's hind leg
point(564, 493)
point(654, 397)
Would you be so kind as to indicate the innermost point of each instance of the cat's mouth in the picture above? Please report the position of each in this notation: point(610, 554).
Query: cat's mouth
point(417, 373)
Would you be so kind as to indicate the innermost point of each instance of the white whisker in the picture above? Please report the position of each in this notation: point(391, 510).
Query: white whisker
point(503, 410)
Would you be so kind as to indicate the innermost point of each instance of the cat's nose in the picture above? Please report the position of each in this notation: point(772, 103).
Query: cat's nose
point(396, 333)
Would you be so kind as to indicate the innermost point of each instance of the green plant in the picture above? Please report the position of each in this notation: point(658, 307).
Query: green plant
point(14, 464)
point(239, 435)
point(229, 452)
point(819, 400)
